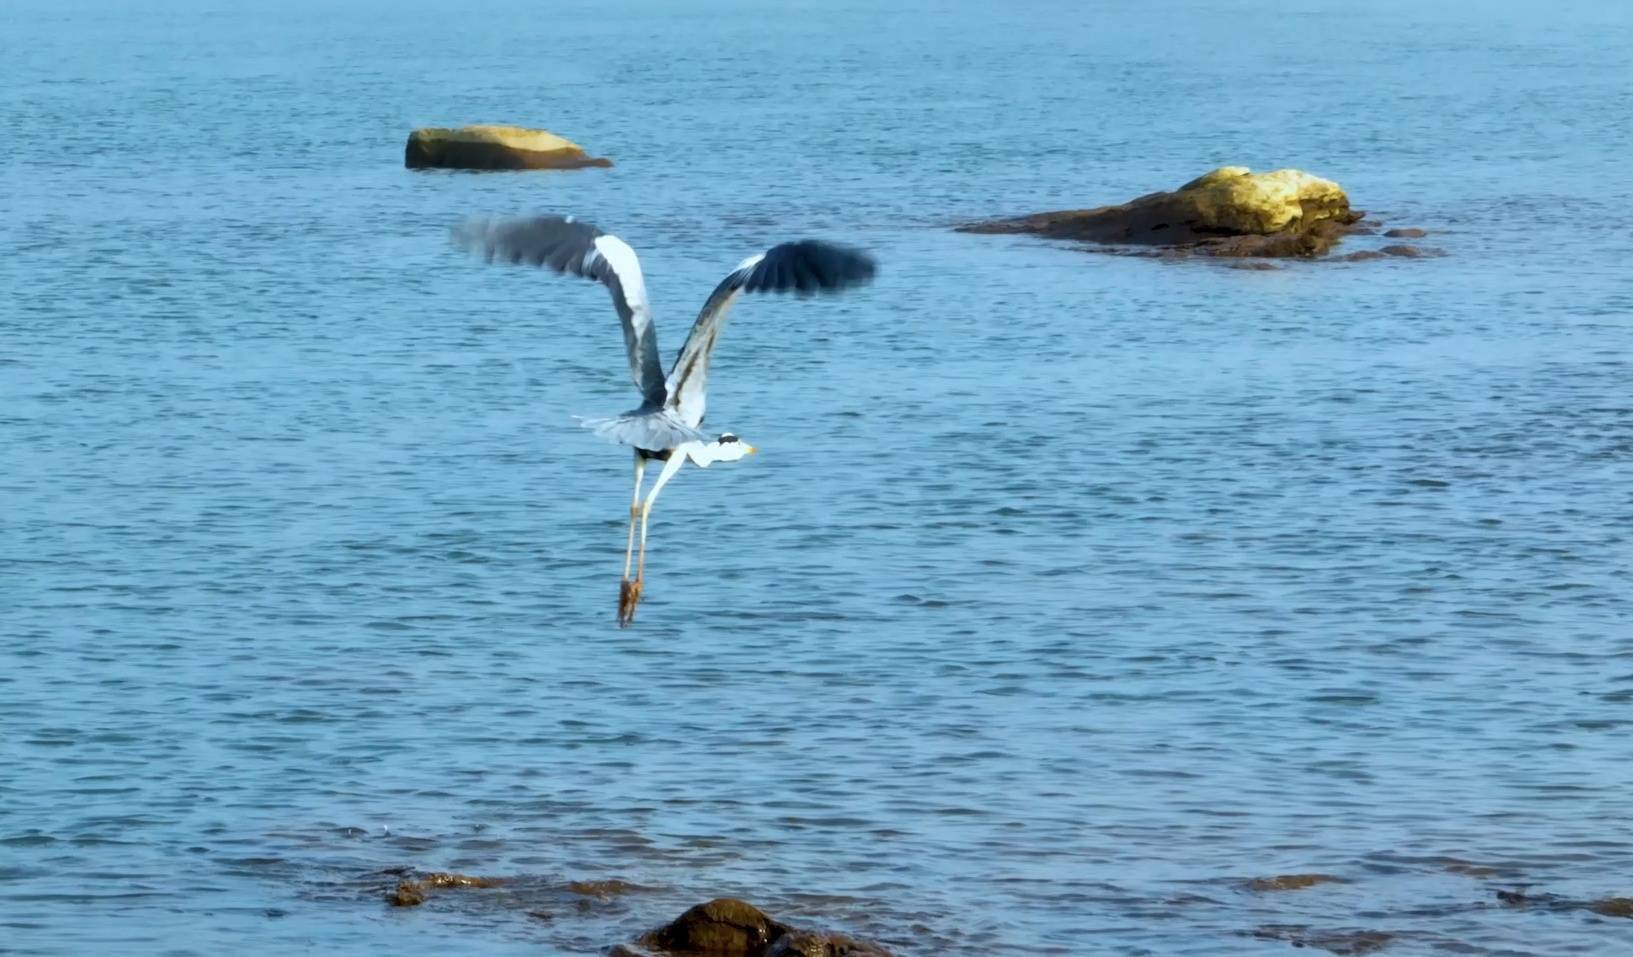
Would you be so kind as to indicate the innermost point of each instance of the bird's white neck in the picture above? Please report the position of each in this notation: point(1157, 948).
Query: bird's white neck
point(705, 454)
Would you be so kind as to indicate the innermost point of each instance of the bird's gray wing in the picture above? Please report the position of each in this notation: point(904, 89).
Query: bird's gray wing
point(566, 245)
point(806, 267)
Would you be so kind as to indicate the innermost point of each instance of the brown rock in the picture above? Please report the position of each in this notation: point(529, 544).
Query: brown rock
point(1413, 233)
point(724, 927)
point(1613, 907)
point(494, 148)
point(1314, 240)
point(1412, 252)
point(1359, 256)
point(1292, 882)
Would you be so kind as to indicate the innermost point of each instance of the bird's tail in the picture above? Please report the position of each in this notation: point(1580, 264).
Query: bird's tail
point(654, 431)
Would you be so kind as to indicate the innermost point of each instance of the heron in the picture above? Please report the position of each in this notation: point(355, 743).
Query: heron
point(665, 426)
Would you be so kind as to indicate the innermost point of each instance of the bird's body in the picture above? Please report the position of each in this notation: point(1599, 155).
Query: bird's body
point(665, 426)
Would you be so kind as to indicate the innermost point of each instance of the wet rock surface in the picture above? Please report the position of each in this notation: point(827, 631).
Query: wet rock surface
point(1406, 233)
point(724, 926)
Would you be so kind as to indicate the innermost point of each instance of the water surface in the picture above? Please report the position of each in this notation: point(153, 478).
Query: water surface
point(1068, 594)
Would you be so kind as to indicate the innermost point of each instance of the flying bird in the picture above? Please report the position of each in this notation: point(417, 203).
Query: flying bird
point(665, 426)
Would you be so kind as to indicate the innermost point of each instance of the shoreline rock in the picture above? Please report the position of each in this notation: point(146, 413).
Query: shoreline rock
point(494, 148)
point(1229, 212)
point(727, 927)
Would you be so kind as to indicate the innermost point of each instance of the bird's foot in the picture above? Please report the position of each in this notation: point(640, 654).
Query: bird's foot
point(629, 595)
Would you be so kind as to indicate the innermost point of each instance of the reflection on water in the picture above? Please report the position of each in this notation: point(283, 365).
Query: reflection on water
point(1068, 597)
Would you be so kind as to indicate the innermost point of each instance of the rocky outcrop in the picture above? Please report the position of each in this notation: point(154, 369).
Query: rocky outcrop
point(724, 926)
point(1231, 211)
point(727, 927)
point(494, 148)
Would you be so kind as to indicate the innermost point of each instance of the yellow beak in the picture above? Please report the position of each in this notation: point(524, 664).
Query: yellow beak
point(751, 449)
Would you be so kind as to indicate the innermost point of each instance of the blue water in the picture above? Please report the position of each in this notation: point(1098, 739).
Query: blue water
point(1068, 594)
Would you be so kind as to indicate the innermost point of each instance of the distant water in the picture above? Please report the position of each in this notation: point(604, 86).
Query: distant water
point(1069, 593)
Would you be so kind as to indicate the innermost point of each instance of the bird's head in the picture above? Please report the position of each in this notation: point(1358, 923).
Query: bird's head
point(726, 448)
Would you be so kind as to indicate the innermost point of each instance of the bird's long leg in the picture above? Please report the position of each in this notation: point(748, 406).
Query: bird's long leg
point(634, 512)
point(677, 458)
point(629, 592)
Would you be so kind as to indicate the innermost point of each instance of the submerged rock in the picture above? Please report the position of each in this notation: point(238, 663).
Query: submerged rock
point(1345, 943)
point(1231, 211)
point(407, 894)
point(413, 893)
point(1292, 882)
point(494, 148)
point(1407, 233)
point(603, 889)
point(1605, 906)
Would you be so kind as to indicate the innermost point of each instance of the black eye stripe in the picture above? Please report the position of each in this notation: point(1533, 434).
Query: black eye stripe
point(728, 437)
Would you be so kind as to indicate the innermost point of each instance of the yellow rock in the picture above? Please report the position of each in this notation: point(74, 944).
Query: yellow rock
point(494, 147)
point(1222, 173)
point(1233, 199)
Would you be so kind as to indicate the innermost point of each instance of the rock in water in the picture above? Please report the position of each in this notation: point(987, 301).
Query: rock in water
point(407, 894)
point(1231, 211)
point(493, 148)
point(725, 927)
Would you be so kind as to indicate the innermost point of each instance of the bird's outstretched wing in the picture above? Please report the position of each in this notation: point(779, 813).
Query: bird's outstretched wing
point(566, 245)
point(806, 267)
